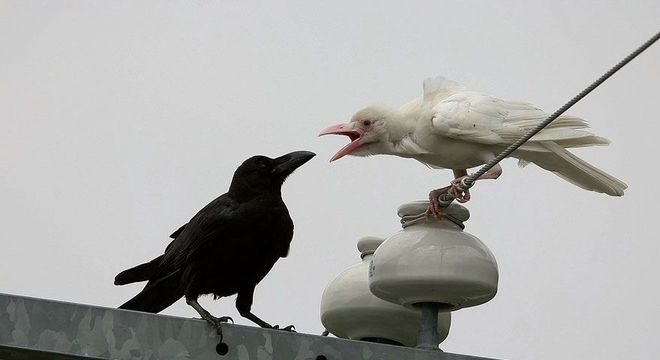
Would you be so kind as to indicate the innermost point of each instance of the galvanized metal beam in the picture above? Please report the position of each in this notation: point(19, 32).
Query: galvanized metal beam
point(32, 328)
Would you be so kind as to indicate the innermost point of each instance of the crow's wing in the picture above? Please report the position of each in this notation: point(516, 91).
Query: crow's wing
point(178, 231)
point(210, 223)
point(163, 287)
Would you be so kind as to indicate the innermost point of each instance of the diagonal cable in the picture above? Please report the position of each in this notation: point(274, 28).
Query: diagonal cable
point(469, 181)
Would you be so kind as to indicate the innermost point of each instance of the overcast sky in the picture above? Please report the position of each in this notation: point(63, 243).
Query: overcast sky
point(121, 119)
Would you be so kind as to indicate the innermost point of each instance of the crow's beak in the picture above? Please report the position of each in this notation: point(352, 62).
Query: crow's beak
point(286, 164)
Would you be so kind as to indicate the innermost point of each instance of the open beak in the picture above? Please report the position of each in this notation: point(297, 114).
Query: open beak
point(286, 164)
point(344, 129)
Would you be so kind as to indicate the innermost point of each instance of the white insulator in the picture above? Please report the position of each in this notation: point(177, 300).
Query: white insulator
point(349, 310)
point(432, 261)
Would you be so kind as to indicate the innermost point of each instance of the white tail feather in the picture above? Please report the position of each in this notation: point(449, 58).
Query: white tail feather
point(572, 168)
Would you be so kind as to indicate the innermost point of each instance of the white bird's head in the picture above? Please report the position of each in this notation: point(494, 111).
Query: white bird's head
point(368, 131)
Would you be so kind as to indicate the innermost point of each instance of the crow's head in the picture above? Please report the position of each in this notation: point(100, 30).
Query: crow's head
point(263, 173)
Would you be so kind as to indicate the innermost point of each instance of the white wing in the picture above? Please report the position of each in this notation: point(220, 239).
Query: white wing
point(481, 118)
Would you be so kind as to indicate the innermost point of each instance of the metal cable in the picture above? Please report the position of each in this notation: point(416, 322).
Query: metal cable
point(469, 181)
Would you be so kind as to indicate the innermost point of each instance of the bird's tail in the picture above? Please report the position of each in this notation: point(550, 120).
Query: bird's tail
point(553, 157)
point(156, 296)
point(142, 272)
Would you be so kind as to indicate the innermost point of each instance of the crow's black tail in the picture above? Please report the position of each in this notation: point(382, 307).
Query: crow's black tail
point(142, 272)
point(156, 296)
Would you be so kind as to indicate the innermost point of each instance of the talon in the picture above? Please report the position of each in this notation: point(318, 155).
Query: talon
point(461, 196)
point(217, 322)
point(290, 328)
point(218, 328)
point(461, 191)
point(226, 319)
point(435, 208)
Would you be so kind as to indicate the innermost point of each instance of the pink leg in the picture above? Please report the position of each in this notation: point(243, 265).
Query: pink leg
point(493, 173)
point(435, 208)
point(464, 196)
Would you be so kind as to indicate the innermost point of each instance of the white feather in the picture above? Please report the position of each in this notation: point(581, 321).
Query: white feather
point(450, 127)
point(577, 171)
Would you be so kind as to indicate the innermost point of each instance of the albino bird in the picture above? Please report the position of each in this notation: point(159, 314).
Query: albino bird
point(453, 128)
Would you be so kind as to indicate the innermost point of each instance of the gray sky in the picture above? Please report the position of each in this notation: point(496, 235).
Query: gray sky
point(121, 119)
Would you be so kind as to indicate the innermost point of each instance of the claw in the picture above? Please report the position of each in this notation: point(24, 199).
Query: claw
point(457, 189)
point(212, 320)
point(435, 208)
point(454, 190)
point(226, 319)
point(217, 322)
point(290, 328)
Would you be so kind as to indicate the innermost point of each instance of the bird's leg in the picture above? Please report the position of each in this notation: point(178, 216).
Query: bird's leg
point(252, 317)
point(212, 320)
point(454, 189)
point(463, 196)
point(244, 304)
point(435, 208)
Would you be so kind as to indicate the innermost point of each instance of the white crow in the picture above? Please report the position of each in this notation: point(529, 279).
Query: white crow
point(453, 128)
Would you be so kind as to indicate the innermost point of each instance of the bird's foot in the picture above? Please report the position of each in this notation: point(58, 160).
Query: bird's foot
point(289, 328)
point(212, 320)
point(225, 319)
point(217, 322)
point(461, 191)
point(456, 190)
point(222, 348)
point(435, 207)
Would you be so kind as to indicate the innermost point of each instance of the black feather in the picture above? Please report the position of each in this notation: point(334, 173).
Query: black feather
point(227, 247)
point(176, 233)
point(142, 272)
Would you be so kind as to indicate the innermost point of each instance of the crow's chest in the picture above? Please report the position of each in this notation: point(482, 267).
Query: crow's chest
point(257, 246)
point(251, 260)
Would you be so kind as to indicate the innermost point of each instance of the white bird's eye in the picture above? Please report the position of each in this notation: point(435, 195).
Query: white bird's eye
point(366, 122)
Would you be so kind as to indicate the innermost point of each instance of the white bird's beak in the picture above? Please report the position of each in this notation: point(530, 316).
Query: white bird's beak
point(355, 134)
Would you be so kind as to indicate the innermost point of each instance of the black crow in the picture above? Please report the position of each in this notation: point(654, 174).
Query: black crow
point(227, 247)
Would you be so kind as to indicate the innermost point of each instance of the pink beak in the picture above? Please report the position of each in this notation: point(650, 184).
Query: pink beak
point(344, 129)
